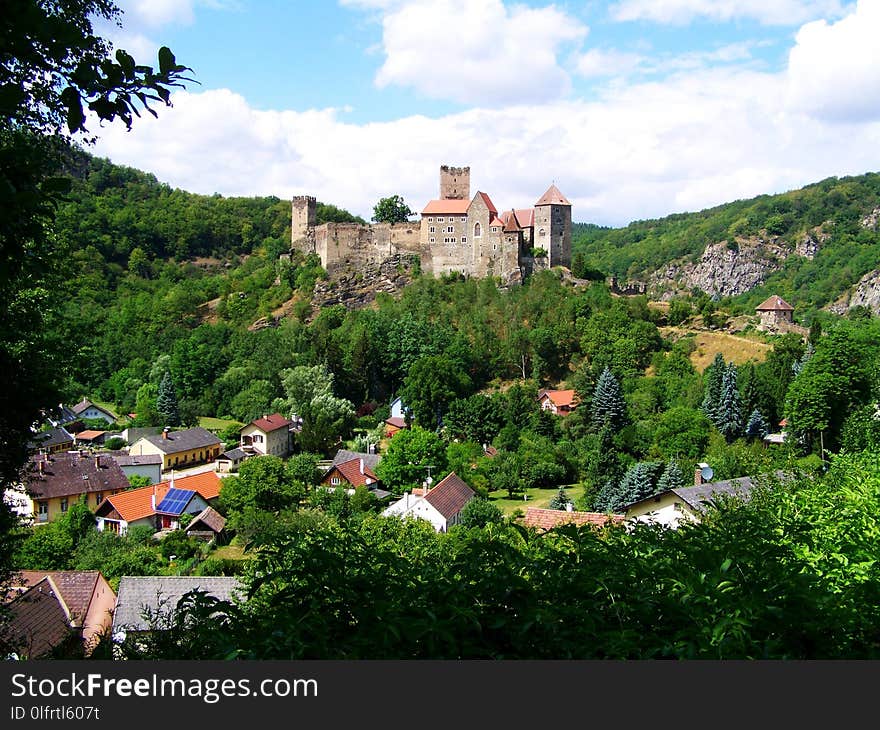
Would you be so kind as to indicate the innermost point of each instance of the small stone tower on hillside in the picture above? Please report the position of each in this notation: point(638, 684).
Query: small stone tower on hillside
point(553, 226)
point(455, 183)
point(302, 223)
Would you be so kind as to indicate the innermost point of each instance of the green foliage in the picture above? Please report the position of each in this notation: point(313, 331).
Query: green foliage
point(560, 500)
point(480, 512)
point(115, 443)
point(166, 402)
point(410, 453)
point(729, 409)
point(262, 483)
point(682, 433)
point(607, 405)
point(391, 210)
point(756, 428)
point(431, 384)
point(136, 481)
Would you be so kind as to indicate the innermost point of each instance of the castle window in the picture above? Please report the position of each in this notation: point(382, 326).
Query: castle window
point(464, 239)
point(452, 240)
point(494, 246)
point(494, 229)
point(450, 229)
point(431, 229)
point(431, 219)
point(439, 220)
point(432, 239)
point(541, 232)
point(477, 230)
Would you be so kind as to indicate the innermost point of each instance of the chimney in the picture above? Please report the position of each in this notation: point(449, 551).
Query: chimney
point(702, 474)
point(569, 507)
point(153, 498)
point(165, 432)
point(362, 466)
point(40, 464)
point(97, 462)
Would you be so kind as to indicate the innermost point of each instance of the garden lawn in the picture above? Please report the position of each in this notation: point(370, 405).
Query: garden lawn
point(534, 498)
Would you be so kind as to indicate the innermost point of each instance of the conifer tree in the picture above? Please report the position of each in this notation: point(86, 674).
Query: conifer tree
point(638, 482)
point(560, 500)
point(712, 378)
point(757, 426)
point(730, 421)
point(608, 407)
point(166, 402)
point(672, 477)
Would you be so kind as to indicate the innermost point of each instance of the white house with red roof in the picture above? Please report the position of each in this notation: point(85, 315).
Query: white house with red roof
point(269, 435)
point(559, 402)
point(441, 505)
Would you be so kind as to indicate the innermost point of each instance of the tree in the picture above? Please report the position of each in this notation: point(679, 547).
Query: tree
point(431, 384)
point(480, 512)
point(608, 407)
point(560, 500)
point(757, 426)
point(713, 377)
point(408, 458)
point(729, 412)
point(672, 477)
point(166, 402)
point(638, 482)
point(309, 395)
point(682, 433)
point(391, 210)
point(263, 483)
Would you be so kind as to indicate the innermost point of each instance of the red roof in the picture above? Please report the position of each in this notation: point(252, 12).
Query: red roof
point(355, 472)
point(440, 207)
point(511, 224)
point(75, 587)
point(547, 519)
point(88, 435)
point(553, 197)
point(526, 217)
point(450, 495)
point(774, 304)
point(206, 484)
point(489, 204)
point(496, 221)
point(271, 423)
point(560, 398)
point(396, 421)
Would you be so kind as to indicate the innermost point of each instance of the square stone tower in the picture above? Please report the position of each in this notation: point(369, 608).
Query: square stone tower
point(455, 183)
point(553, 227)
point(303, 219)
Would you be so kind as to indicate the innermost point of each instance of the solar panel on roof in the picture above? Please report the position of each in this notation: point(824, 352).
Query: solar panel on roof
point(175, 501)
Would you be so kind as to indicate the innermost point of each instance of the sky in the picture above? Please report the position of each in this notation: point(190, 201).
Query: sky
point(635, 109)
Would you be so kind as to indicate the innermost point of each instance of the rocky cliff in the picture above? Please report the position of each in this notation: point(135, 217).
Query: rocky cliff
point(864, 294)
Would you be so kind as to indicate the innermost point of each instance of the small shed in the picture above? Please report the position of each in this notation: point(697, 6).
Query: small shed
point(207, 525)
point(774, 312)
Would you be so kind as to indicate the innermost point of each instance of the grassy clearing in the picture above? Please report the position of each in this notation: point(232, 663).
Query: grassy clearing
point(229, 552)
point(535, 498)
point(217, 424)
point(735, 348)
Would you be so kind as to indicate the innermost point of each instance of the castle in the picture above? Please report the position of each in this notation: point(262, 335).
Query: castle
point(456, 233)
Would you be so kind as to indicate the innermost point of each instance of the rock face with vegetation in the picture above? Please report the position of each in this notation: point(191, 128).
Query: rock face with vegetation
point(864, 294)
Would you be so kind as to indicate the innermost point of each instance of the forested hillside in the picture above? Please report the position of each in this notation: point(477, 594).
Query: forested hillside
point(837, 205)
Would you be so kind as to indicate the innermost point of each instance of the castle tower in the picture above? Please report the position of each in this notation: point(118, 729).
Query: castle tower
point(553, 226)
point(455, 183)
point(303, 219)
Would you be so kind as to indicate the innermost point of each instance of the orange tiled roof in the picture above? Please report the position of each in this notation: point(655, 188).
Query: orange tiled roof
point(560, 398)
point(526, 217)
point(547, 519)
point(489, 204)
point(553, 197)
point(774, 304)
point(441, 207)
point(511, 224)
point(135, 504)
point(88, 435)
point(207, 484)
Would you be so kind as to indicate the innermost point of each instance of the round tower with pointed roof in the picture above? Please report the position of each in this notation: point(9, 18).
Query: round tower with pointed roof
point(553, 226)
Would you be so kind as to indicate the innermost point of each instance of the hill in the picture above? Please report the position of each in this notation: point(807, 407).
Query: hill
point(810, 246)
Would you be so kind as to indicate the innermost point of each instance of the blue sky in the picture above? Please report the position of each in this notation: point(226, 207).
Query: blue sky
point(635, 108)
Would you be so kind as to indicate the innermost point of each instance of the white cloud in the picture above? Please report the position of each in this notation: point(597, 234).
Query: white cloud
point(475, 51)
point(597, 62)
point(642, 151)
point(834, 69)
point(772, 12)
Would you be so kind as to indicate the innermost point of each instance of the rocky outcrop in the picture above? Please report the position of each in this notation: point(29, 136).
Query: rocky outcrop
point(872, 220)
point(724, 270)
point(358, 288)
point(810, 243)
point(866, 293)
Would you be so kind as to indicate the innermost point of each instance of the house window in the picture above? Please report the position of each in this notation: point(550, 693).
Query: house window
point(111, 526)
point(99, 496)
point(478, 231)
point(64, 505)
point(494, 229)
point(258, 438)
point(43, 511)
point(676, 506)
point(334, 481)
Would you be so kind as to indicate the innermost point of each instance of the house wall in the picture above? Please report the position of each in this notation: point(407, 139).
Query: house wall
point(92, 412)
point(153, 472)
point(99, 617)
point(665, 509)
point(274, 443)
point(93, 499)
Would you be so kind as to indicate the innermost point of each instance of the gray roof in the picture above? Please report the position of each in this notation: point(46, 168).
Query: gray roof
point(370, 460)
point(48, 439)
point(236, 454)
point(186, 440)
point(143, 460)
point(698, 496)
point(161, 594)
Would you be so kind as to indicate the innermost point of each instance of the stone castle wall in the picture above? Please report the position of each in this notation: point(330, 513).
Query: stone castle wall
point(345, 245)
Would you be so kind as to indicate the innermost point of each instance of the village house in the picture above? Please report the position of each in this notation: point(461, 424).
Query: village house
point(774, 313)
point(270, 435)
point(86, 409)
point(159, 506)
point(229, 460)
point(558, 402)
point(54, 482)
point(673, 506)
point(89, 438)
point(393, 425)
point(441, 505)
point(64, 611)
point(188, 447)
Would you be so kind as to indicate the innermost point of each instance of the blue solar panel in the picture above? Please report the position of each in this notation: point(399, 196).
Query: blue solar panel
point(175, 501)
